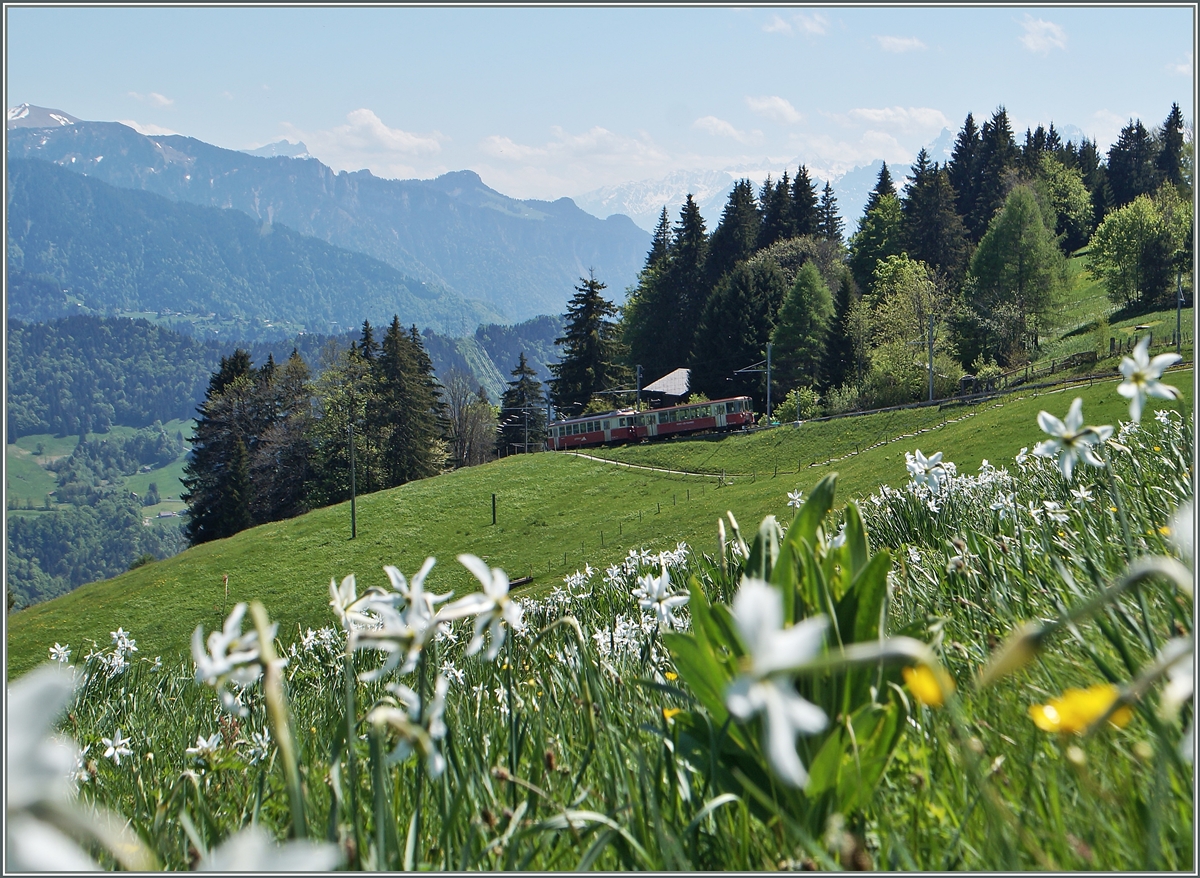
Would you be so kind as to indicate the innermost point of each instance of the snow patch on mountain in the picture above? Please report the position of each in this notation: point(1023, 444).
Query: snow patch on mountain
point(29, 116)
point(281, 148)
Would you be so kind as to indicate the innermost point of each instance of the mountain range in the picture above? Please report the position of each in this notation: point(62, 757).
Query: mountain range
point(521, 258)
point(77, 245)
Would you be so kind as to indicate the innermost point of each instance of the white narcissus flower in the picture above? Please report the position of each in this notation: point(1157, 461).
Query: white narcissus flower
point(206, 748)
point(116, 747)
point(926, 470)
point(654, 595)
point(252, 850)
point(416, 732)
point(60, 653)
point(765, 686)
point(795, 499)
point(1070, 440)
point(491, 608)
point(1141, 377)
point(231, 658)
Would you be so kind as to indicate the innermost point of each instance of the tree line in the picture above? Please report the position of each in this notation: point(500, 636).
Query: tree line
point(969, 258)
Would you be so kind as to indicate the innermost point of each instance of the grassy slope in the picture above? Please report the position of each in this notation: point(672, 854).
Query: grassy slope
point(26, 475)
point(548, 505)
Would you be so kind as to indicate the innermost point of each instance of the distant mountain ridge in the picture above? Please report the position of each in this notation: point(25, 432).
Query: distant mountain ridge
point(78, 245)
point(521, 257)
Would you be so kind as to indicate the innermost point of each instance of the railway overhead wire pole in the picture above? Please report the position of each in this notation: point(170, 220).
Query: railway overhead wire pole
point(754, 367)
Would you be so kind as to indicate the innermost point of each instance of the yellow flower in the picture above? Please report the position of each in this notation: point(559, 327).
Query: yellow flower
point(1156, 448)
point(924, 685)
point(671, 675)
point(669, 713)
point(1164, 530)
point(1112, 508)
point(1076, 709)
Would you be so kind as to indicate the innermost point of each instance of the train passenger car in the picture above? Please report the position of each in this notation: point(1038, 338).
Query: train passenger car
point(624, 426)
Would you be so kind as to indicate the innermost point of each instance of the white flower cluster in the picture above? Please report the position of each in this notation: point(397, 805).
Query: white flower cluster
point(232, 659)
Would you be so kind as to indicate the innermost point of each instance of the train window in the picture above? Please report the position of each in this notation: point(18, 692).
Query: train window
point(606, 423)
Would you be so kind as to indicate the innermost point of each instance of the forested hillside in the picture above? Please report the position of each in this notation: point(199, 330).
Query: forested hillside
point(966, 266)
point(77, 243)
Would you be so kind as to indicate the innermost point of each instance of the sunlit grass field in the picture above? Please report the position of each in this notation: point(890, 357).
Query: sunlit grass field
point(555, 513)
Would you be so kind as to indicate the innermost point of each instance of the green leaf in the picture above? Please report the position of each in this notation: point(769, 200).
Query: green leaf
point(765, 550)
point(856, 539)
point(701, 671)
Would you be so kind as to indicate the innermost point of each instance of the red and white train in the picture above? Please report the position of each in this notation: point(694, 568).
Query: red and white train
point(629, 426)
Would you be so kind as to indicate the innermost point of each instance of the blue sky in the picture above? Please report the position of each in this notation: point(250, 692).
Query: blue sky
point(551, 102)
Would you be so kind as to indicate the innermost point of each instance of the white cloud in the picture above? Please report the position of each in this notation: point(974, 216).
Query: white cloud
point(899, 44)
point(721, 128)
point(154, 99)
point(906, 120)
point(775, 107)
point(815, 24)
point(146, 129)
point(505, 148)
point(1042, 36)
point(777, 26)
point(365, 141)
point(366, 131)
point(1183, 68)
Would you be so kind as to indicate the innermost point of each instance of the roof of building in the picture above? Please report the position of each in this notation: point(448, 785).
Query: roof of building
point(672, 384)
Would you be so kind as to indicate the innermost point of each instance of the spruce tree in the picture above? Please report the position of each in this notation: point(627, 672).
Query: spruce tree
point(933, 232)
point(280, 467)
point(736, 235)
point(778, 216)
point(734, 329)
point(829, 223)
point(1018, 268)
point(802, 331)
point(963, 166)
point(660, 244)
point(883, 186)
point(806, 215)
point(1169, 162)
point(837, 364)
point(998, 155)
point(523, 408)
point(590, 348)
point(1131, 165)
point(684, 286)
point(215, 480)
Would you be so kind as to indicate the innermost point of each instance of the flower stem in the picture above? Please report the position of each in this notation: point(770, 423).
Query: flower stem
point(277, 710)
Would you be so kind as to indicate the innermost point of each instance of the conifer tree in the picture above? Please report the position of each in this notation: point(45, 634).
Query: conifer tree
point(684, 283)
point(734, 329)
point(998, 155)
point(880, 235)
point(801, 332)
point(660, 244)
point(933, 231)
point(963, 166)
point(883, 186)
point(280, 466)
point(523, 408)
point(837, 364)
point(366, 343)
point(1131, 164)
point(778, 216)
point(216, 481)
point(590, 347)
point(806, 215)
point(829, 222)
point(1169, 162)
point(736, 235)
point(1018, 268)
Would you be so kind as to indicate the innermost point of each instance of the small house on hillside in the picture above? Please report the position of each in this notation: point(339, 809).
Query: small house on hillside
point(671, 389)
